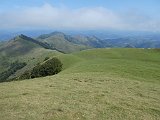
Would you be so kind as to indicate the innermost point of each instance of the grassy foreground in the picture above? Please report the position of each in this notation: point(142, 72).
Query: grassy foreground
point(99, 84)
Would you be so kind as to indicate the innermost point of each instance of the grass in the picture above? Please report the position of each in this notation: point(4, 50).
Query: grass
point(128, 63)
point(98, 84)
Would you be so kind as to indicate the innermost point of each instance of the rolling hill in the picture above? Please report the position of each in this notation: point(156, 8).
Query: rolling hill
point(90, 41)
point(23, 49)
point(61, 42)
point(100, 84)
point(127, 62)
point(72, 43)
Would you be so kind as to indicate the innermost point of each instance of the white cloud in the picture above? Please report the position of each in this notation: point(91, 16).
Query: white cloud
point(48, 16)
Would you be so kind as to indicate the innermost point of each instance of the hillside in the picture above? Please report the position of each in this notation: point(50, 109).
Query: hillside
point(18, 46)
point(23, 49)
point(133, 63)
point(61, 42)
point(99, 84)
point(90, 41)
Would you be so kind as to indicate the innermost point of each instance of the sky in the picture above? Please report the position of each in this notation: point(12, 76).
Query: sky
point(80, 14)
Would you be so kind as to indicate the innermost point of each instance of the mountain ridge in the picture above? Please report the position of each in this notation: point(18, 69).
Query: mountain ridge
point(24, 49)
point(61, 42)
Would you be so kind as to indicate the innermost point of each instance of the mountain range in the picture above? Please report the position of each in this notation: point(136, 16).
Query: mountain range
point(76, 42)
point(34, 50)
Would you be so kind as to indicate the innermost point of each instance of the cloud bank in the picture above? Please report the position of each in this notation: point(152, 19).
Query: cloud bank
point(48, 16)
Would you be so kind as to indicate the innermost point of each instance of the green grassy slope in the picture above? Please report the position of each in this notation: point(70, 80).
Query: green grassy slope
point(18, 46)
point(23, 49)
point(34, 57)
point(141, 64)
point(98, 84)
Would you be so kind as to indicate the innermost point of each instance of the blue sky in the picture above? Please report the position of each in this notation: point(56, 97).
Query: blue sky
point(151, 6)
point(81, 14)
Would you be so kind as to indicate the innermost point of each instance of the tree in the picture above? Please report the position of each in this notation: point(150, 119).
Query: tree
point(12, 69)
point(49, 67)
point(46, 58)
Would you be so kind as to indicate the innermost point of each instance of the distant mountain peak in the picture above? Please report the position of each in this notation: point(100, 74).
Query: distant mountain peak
point(22, 35)
point(57, 33)
point(25, 37)
point(25, 40)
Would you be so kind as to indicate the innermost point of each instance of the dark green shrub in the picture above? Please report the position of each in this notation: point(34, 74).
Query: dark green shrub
point(26, 75)
point(46, 58)
point(50, 67)
point(12, 69)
